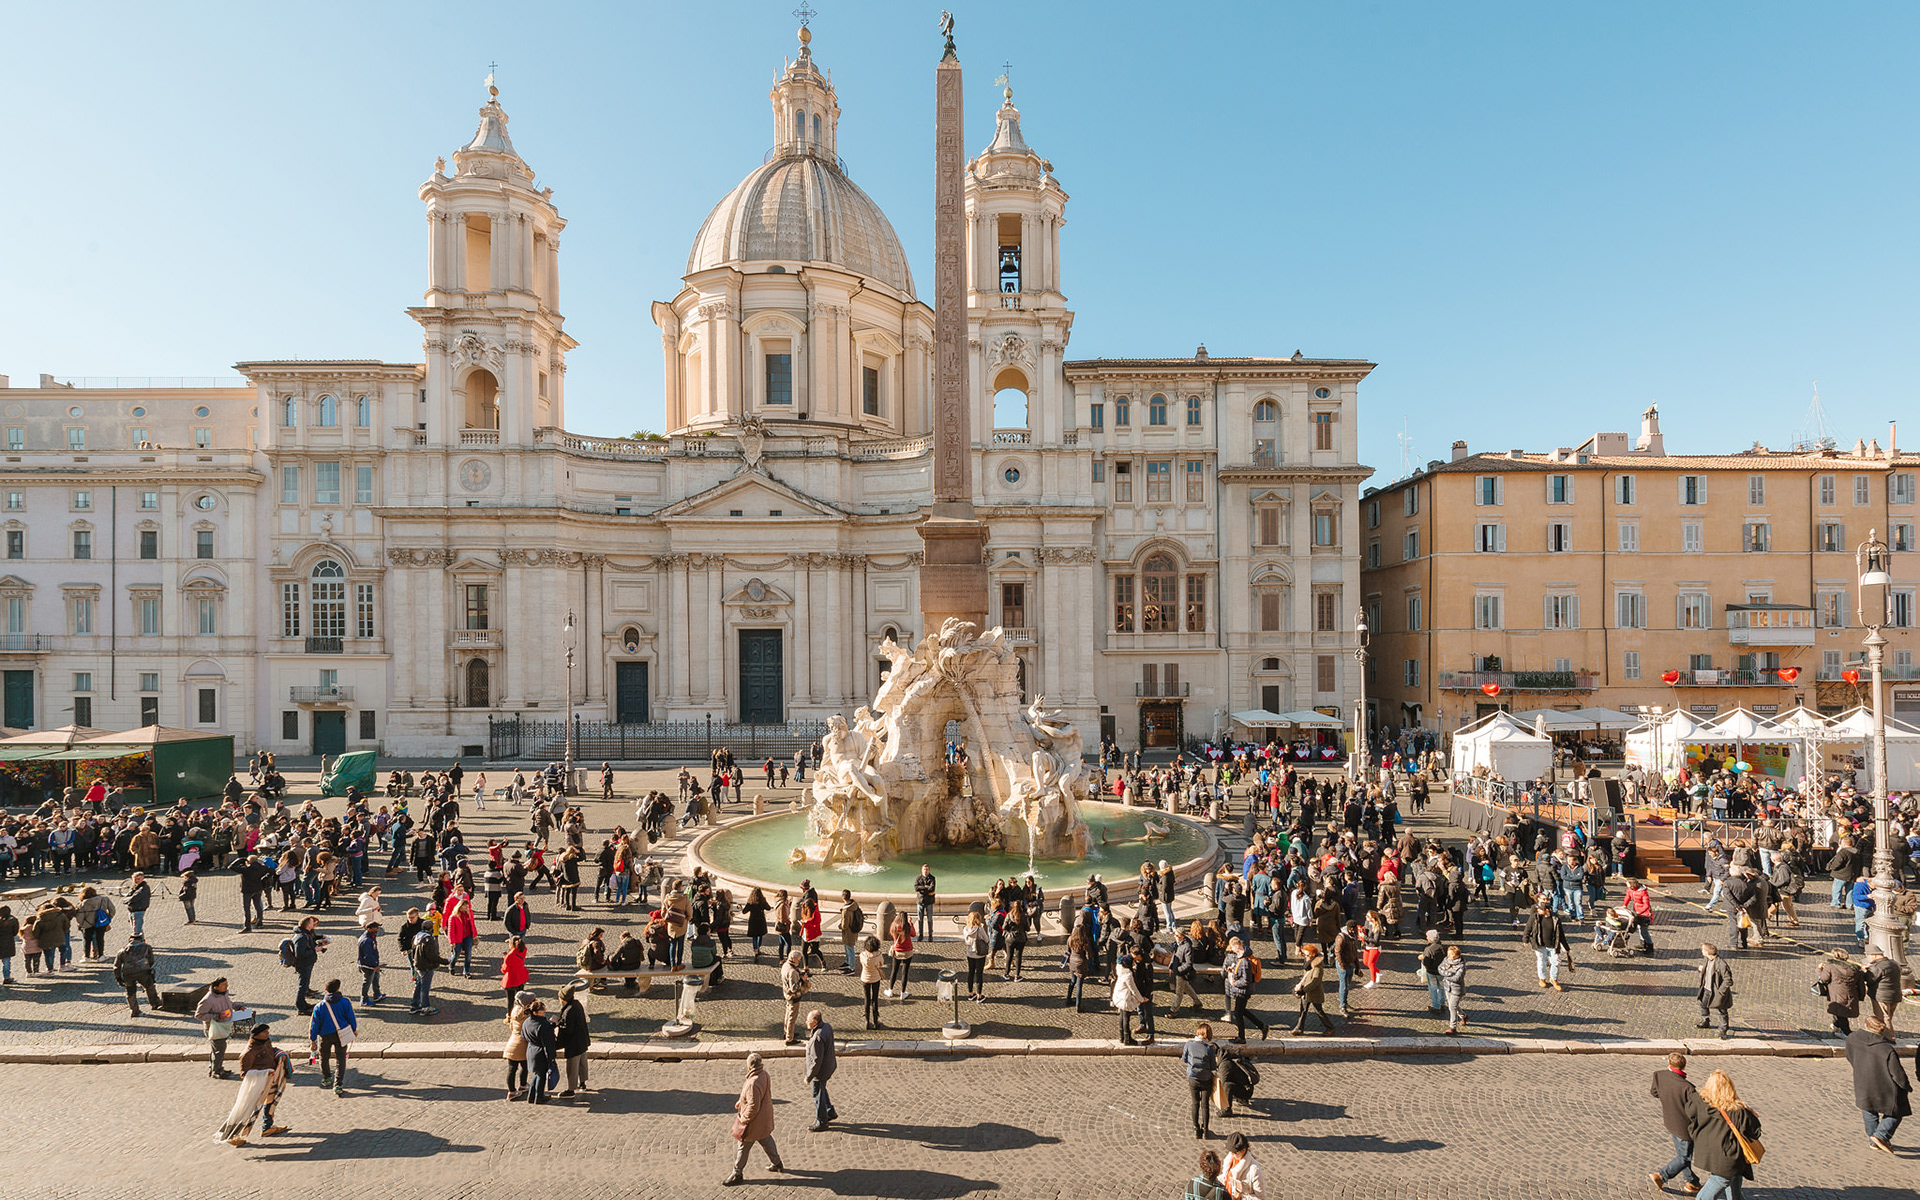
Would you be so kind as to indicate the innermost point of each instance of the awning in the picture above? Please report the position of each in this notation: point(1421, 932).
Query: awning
point(1258, 718)
point(1606, 718)
point(1306, 718)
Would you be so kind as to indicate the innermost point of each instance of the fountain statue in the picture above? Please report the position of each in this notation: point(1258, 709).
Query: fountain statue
point(884, 787)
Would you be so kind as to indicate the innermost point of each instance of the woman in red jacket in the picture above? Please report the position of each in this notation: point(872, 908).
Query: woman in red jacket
point(461, 931)
point(513, 970)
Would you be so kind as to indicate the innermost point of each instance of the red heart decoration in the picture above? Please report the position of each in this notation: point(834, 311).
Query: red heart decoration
point(1852, 677)
point(1789, 674)
point(1670, 677)
point(1491, 689)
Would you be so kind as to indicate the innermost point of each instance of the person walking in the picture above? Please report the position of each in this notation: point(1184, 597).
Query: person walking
point(574, 1036)
point(1671, 1087)
point(1844, 985)
point(753, 1122)
point(133, 969)
point(139, 899)
point(1716, 989)
point(331, 1031)
point(1312, 989)
point(1240, 1173)
point(872, 971)
point(1548, 939)
point(215, 1011)
point(821, 1064)
point(1638, 903)
point(1181, 972)
point(795, 982)
point(1201, 1058)
point(901, 977)
point(1240, 980)
point(1206, 1185)
point(1720, 1123)
point(425, 958)
point(1453, 986)
point(513, 970)
point(1883, 985)
point(1881, 1088)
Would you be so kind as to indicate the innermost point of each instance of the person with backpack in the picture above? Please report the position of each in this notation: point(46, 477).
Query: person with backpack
point(369, 957)
point(1201, 1059)
point(1242, 975)
point(1843, 983)
point(852, 920)
point(93, 918)
point(133, 969)
point(302, 952)
point(425, 958)
point(331, 1031)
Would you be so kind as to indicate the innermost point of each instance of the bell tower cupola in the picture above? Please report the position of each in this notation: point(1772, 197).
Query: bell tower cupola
point(806, 112)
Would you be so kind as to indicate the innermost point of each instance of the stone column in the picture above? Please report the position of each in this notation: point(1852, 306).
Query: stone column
point(715, 580)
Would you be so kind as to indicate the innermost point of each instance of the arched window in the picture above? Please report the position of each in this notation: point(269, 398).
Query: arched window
point(483, 400)
point(329, 600)
point(1266, 432)
point(816, 127)
point(1266, 410)
point(478, 690)
point(799, 124)
point(328, 415)
point(289, 411)
point(363, 411)
point(1157, 410)
point(1159, 595)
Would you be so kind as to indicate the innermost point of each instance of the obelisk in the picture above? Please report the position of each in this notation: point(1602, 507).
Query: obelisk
point(953, 578)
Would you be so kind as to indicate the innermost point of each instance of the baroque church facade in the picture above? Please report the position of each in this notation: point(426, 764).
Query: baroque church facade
point(358, 554)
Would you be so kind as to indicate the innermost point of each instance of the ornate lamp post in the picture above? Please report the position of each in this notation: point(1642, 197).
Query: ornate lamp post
point(1884, 928)
point(566, 783)
point(1360, 655)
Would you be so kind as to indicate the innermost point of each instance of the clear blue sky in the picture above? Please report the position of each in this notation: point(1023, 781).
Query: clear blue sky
point(1536, 218)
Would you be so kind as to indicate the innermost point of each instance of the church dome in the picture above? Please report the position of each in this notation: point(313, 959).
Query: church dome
point(802, 208)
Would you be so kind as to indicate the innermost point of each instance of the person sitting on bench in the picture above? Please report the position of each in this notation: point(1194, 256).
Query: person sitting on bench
point(631, 953)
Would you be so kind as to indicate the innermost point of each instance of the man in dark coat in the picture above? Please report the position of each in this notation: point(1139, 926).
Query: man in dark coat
point(1671, 1087)
point(1881, 1087)
point(821, 1064)
point(1716, 989)
point(1883, 985)
point(574, 1036)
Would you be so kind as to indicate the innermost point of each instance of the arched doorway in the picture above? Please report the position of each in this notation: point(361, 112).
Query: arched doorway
point(479, 684)
point(483, 400)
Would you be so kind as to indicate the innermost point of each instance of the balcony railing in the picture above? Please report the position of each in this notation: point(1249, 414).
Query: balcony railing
point(473, 637)
point(322, 694)
point(1163, 690)
point(25, 643)
point(326, 645)
point(1011, 437)
point(479, 437)
point(1763, 678)
point(1519, 681)
point(1020, 635)
point(1890, 671)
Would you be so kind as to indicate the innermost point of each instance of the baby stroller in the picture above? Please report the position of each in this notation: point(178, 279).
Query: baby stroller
point(1614, 934)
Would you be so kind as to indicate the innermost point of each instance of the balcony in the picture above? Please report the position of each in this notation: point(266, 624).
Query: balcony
point(1769, 625)
point(326, 645)
point(1888, 673)
point(473, 639)
point(1021, 635)
point(25, 643)
point(322, 694)
point(479, 437)
point(1011, 437)
point(1169, 690)
point(1519, 681)
point(1708, 679)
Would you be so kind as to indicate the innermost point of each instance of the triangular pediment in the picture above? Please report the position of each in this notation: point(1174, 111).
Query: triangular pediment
point(756, 495)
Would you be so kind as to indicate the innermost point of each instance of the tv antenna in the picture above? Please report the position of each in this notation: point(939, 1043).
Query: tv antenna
point(1814, 434)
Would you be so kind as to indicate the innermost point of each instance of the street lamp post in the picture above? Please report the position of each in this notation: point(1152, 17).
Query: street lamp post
point(1885, 929)
point(1360, 714)
point(566, 782)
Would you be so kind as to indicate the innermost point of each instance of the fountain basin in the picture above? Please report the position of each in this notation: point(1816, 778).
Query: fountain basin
point(753, 853)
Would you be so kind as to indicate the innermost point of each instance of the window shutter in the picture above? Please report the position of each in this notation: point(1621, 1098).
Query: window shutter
point(1573, 612)
point(1500, 538)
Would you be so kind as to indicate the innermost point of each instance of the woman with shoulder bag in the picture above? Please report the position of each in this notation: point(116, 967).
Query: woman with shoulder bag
point(1726, 1137)
point(976, 942)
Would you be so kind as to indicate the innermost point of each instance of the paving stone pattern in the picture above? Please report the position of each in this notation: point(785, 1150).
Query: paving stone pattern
point(1027, 1128)
point(1607, 998)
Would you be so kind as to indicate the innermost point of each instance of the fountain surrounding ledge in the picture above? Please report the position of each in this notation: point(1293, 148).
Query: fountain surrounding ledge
point(884, 789)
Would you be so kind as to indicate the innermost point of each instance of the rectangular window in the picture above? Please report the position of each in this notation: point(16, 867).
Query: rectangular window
point(1829, 491)
point(82, 543)
point(1326, 615)
point(1630, 610)
point(1559, 489)
point(1831, 610)
point(1693, 489)
point(1699, 662)
point(290, 485)
point(1373, 554)
point(149, 711)
point(1630, 664)
point(870, 391)
point(82, 682)
point(149, 616)
point(329, 608)
point(1691, 538)
point(1196, 603)
point(76, 439)
point(139, 437)
point(1696, 610)
point(1412, 675)
point(363, 483)
point(1756, 489)
point(1900, 610)
point(149, 501)
point(1123, 412)
point(1900, 488)
point(16, 438)
point(1410, 501)
point(1326, 529)
point(1157, 410)
point(1629, 537)
point(1263, 452)
point(1757, 537)
point(208, 706)
point(149, 681)
point(1123, 604)
point(1123, 483)
point(1160, 482)
point(16, 501)
point(1625, 489)
point(1013, 605)
point(1099, 471)
point(83, 711)
point(16, 609)
point(1193, 412)
point(1832, 537)
point(1487, 490)
point(83, 502)
point(149, 543)
point(1861, 492)
point(326, 483)
point(1563, 612)
point(203, 438)
point(1325, 677)
point(1270, 615)
point(1486, 611)
point(204, 616)
point(1490, 538)
point(1267, 522)
point(203, 543)
point(363, 610)
point(1413, 614)
point(1410, 546)
point(1097, 416)
point(16, 543)
point(1559, 536)
point(1900, 537)
point(1323, 431)
point(779, 378)
point(83, 616)
point(289, 610)
point(1373, 514)
point(476, 615)
point(367, 733)
point(1196, 481)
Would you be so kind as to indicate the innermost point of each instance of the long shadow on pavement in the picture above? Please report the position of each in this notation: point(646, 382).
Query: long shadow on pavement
point(360, 1144)
point(885, 1185)
point(987, 1135)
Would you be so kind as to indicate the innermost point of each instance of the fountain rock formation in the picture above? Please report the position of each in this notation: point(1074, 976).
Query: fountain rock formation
point(884, 789)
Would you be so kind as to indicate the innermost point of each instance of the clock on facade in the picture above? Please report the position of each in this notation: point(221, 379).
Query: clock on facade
point(475, 475)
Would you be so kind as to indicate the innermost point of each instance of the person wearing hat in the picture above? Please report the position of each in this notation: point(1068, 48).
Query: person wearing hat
point(753, 1122)
point(370, 990)
point(132, 969)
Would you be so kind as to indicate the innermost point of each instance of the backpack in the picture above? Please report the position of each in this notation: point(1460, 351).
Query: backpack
point(101, 918)
point(1253, 960)
point(289, 957)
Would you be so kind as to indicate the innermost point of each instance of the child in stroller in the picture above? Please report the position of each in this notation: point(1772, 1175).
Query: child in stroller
point(1613, 933)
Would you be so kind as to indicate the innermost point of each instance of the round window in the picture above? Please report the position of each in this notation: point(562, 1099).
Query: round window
point(74, 411)
point(1011, 475)
point(204, 502)
point(1321, 393)
point(201, 411)
point(139, 412)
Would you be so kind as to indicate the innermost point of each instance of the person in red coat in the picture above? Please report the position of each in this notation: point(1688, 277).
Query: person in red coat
point(513, 969)
point(457, 918)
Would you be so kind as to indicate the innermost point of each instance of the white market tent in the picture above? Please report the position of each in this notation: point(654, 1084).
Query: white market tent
point(1503, 745)
point(1799, 721)
point(1554, 721)
point(1737, 726)
point(1605, 718)
point(1657, 744)
point(1306, 718)
point(1855, 727)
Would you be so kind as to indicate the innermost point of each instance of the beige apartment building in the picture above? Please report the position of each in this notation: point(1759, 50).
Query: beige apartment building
point(1617, 575)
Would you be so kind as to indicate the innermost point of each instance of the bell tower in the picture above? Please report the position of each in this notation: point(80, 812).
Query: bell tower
point(1018, 315)
point(493, 333)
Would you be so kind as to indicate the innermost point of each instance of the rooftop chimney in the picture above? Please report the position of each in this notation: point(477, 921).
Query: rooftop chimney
point(1459, 451)
point(1650, 441)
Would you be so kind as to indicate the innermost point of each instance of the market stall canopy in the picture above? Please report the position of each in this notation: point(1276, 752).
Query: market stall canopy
point(1799, 721)
point(1258, 718)
point(1502, 744)
point(45, 743)
point(1556, 721)
point(1737, 726)
point(1306, 718)
point(1606, 718)
point(150, 735)
point(1856, 725)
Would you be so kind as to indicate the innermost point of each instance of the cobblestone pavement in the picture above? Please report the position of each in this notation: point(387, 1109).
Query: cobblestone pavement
point(1634, 997)
point(1436, 1129)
